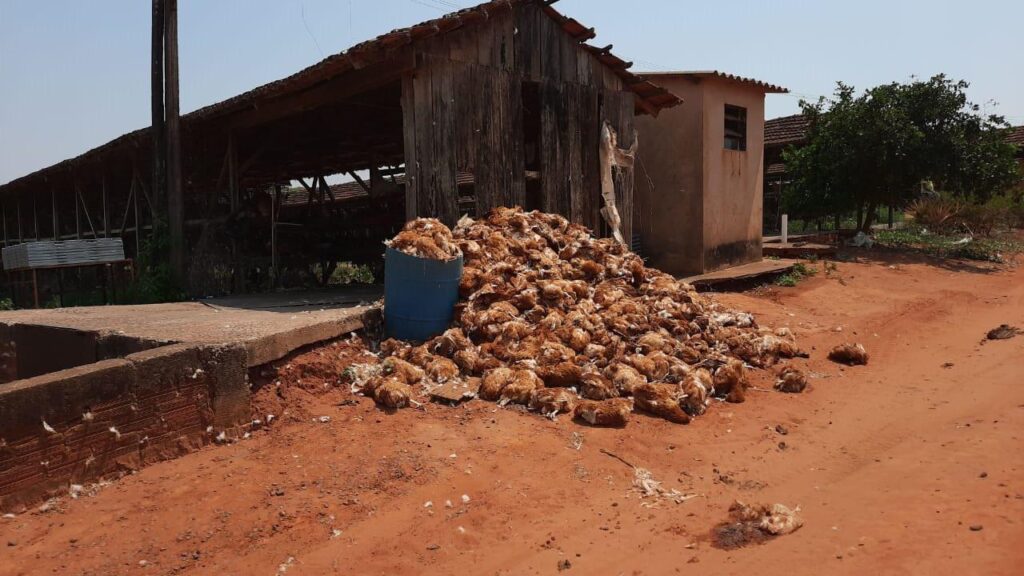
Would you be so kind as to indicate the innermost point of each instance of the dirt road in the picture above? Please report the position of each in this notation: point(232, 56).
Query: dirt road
point(913, 464)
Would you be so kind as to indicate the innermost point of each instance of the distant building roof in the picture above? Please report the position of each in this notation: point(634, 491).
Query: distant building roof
point(701, 74)
point(793, 130)
point(1016, 136)
point(785, 130)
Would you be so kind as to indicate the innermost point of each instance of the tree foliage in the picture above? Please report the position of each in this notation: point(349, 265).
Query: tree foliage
point(877, 148)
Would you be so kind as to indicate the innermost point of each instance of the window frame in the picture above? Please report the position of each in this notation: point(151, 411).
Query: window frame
point(735, 127)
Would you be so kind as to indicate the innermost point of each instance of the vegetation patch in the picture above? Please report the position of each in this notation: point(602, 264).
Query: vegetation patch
point(919, 239)
point(794, 276)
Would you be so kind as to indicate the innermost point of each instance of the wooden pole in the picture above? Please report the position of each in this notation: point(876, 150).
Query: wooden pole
point(138, 229)
point(106, 208)
point(232, 155)
point(274, 207)
point(175, 200)
point(128, 207)
point(236, 268)
point(85, 209)
point(78, 218)
point(56, 219)
point(157, 104)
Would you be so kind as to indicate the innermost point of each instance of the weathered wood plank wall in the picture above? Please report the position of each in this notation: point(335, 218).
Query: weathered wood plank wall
point(464, 108)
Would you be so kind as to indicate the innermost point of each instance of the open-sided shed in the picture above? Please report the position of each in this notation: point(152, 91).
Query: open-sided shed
point(500, 104)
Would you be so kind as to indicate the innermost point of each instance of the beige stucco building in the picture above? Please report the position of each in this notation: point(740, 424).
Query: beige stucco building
point(698, 188)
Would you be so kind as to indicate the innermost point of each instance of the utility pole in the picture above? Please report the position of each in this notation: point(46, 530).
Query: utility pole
point(157, 104)
point(175, 200)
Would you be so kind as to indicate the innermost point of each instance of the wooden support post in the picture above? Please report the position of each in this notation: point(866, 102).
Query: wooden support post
point(145, 194)
point(78, 218)
point(175, 198)
point(362, 184)
point(106, 208)
point(88, 219)
point(35, 288)
point(233, 177)
point(21, 238)
point(411, 160)
point(138, 227)
point(232, 155)
point(56, 218)
point(327, 189)
point(35, 218)
point(157, 105)
point(128, 207)
point(274, 207)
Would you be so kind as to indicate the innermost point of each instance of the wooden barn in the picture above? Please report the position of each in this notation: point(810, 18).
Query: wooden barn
point(504, 103)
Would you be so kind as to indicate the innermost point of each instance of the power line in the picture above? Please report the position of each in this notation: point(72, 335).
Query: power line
point(302, 12)
point(441, 8)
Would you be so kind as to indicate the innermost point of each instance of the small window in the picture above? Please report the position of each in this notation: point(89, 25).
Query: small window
point(735, 127)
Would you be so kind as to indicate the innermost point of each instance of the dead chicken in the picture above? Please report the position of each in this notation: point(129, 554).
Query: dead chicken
point(520, 388)
point(561, 375)
point(624, 377)
point(791, 381)
point(612, 412)
point(393, 394)
point(494, 381)
point(552, 401)
point(697, 389)
point(731, 381)
point(594, 386)
point(660, 400)
point(850, 354)
point(440, 370)
point(404, 371)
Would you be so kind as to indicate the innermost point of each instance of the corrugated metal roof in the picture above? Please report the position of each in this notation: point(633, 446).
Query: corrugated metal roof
point(650, 98)
point(701, 74)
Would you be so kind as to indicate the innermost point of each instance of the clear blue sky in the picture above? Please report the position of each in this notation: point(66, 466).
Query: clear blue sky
point(75, 73)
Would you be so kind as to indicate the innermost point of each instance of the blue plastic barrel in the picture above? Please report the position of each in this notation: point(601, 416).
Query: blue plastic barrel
point(419, 295)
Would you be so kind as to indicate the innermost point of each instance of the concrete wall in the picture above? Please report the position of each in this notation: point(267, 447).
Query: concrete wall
point(733, 185)
point(669, 213)
point(114, 416)
point(29, 350)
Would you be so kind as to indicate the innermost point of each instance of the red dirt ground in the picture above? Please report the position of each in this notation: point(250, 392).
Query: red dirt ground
point(892, 465)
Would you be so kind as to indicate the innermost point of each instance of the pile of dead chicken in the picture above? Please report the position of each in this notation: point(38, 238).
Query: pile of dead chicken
point(554, 319)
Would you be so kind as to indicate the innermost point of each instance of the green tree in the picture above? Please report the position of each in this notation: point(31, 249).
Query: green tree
point(876, 148)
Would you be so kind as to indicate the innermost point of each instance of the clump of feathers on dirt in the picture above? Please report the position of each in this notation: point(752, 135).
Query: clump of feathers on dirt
point(755, 524)
point(560, 322)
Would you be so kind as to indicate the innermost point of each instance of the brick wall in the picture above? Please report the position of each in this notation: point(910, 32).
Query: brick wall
point(115, 416)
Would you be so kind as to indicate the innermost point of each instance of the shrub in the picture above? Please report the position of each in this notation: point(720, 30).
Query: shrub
point(936, 213)
point(982, 219)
